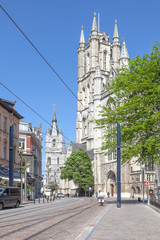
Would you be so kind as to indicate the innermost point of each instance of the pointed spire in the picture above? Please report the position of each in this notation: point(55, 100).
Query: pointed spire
point(82, 40)
point(94, 24)
point(54, 119)
point(60, 130)
point(124, 52)
point(124, 57)
point(115, 34)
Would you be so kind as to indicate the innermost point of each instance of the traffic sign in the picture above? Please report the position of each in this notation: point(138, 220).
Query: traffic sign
point(90, 189)
point(147, 183)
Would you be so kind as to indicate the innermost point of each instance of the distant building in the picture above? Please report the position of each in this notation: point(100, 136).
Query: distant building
point(55, 151)
point(30, 143)
point(9, 117)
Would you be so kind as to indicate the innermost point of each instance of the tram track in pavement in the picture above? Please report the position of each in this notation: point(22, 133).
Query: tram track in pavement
point(71, 212)
point(30, 210)
point(3, 226)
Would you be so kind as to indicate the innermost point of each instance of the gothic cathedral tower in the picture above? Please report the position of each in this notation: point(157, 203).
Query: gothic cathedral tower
point(98, 62)
point(55, 150)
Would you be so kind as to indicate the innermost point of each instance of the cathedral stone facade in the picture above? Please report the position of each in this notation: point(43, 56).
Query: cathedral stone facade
point(98, 62)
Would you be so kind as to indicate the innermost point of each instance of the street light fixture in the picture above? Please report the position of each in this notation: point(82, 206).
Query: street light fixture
point(142, 168)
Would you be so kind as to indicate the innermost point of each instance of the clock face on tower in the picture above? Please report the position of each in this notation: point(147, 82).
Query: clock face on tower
point(53, 142)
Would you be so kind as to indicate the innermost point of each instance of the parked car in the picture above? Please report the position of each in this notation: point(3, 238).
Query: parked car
point(60, 195)
point(9, 197)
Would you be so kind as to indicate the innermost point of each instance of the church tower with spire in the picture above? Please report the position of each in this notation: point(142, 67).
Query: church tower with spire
point(55, 151)
point(99, 60)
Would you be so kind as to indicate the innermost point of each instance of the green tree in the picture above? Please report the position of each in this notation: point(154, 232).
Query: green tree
point(79, 169)
point(23, 168)
point(3, 183)
point(50, 184)
point(53, 186)
point(48, 171)
point(136, 106)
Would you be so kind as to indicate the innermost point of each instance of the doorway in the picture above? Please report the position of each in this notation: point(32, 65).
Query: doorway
point(111, 183)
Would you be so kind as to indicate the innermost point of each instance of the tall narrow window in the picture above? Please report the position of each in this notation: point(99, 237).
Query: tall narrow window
point(5, 125)
point(54, 142)
point(83, 127)
point(22, 143)
point(149, 165)
point(88, 61)
point(104, 60)
point(49, 160)
point(112, 155)
point(58, 160)
point(5, 151)
point(111, 55)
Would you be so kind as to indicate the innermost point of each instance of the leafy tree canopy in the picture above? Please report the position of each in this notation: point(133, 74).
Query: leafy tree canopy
point(135, 104)
point(79, 169)
point(53, 186)
point(3, 183)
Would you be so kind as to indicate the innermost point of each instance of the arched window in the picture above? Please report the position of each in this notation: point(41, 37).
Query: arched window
point(84, 127)
point(88, 61)
point(111, 55)
point(110, 104)
point(5, 125)
point(49, 160)
point(54, 142)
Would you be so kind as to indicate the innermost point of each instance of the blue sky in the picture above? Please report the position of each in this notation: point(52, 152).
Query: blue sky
point(54, 27)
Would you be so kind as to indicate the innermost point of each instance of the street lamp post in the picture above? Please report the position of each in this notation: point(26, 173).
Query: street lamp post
point(118, 166)
point(143, 182)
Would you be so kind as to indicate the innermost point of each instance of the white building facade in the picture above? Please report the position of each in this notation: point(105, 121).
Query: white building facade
point(30, 144)
point(55, 151)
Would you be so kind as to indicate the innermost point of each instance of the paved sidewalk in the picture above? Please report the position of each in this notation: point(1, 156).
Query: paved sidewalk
point(133, 221)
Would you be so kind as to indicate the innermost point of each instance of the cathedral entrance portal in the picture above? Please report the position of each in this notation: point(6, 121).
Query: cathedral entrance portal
point(111, 183)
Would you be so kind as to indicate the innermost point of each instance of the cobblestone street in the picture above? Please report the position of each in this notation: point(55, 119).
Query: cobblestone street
point(80, 219)
point(62, 219)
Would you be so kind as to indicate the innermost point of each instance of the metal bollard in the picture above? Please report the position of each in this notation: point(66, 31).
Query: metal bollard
point(39, 200)
point(43, 200)
point(34, 201)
